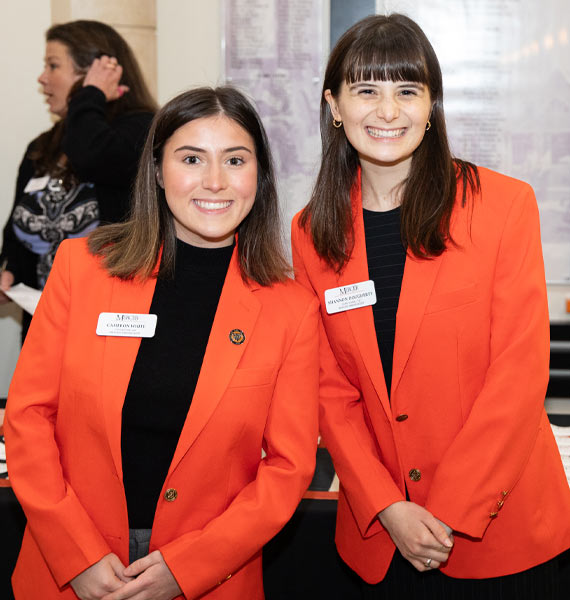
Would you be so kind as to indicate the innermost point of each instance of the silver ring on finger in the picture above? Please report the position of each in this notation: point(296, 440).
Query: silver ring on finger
point(427, 563)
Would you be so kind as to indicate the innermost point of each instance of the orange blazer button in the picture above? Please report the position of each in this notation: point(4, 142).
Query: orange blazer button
point(170, 495)
point(400, 418)
point(415, 474)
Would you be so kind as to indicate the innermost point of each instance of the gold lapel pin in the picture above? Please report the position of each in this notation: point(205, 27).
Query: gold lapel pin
point(237, 336)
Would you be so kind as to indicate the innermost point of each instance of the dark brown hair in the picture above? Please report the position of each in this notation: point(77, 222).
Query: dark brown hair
point(386, 48)
point(85, 41)
point(132, 249)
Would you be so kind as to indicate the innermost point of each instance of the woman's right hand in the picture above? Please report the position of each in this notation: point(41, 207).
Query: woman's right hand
point(418, 535)
point(105, 73)
point(100, 579)
point(6, 282)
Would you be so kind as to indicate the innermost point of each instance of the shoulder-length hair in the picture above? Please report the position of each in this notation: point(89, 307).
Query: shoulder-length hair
point(386, 48)
point(85, 41)
point(132, 249)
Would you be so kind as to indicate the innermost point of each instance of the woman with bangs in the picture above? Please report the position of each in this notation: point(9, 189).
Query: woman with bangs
point(435, 345)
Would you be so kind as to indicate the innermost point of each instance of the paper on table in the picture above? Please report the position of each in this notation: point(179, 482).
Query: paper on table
point(24, 296)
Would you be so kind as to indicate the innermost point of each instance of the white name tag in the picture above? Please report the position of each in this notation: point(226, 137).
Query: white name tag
point(347, 297)
point(126, 325)
point(36, 184)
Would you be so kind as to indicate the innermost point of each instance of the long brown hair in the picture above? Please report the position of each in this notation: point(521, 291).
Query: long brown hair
point(132, 249)
point(386, 48)
point(85, 41)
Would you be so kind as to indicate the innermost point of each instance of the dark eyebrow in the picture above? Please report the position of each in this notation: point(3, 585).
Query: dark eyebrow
point(227, 150)
point(236, 148)
point(358, 84)
point(414, 84)
point(191, 148)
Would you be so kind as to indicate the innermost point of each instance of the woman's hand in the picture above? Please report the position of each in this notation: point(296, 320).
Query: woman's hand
point(419, 536)
point(105, 74)
point(6, 282)
point(96, 582)
point(154, 580)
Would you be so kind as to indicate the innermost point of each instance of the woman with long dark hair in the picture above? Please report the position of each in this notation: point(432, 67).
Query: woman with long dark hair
point(78, 174)
point(435, 347)
point(161, 425)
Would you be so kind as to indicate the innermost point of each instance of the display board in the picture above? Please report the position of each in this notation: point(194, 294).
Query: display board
point(506, 73)
point(275, 50)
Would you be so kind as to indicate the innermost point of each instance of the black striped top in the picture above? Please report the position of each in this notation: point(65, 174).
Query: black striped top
point(386, 259)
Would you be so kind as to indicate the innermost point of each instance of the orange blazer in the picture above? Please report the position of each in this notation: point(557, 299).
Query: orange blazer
point(63, 433)
point(465, 431)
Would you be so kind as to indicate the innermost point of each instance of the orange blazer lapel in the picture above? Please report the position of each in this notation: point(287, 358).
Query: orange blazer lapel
point(237, 311)
point(419, 278)
point(362, 319)
point(119, 356)
point(417, 284)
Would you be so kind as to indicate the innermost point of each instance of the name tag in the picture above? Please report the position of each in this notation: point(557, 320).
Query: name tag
point(126, 325)
point(348, 297)
point(36, 184)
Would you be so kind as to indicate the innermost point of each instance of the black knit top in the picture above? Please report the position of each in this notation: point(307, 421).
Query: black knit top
point(386, 259)
point(165, 374)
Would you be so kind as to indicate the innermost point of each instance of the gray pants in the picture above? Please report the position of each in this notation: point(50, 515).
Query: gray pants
point(139, 540)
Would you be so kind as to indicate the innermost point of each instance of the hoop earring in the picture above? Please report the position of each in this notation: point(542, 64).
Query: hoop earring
point(428, 126)
point(337, 124)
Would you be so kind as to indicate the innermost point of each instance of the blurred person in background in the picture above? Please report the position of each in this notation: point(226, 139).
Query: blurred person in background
point(79, 173)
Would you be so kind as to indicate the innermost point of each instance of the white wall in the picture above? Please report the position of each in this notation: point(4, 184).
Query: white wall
point(188, 45)
point(23, 115)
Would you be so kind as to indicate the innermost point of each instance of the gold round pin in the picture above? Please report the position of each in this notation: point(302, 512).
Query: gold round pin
point(237, 336)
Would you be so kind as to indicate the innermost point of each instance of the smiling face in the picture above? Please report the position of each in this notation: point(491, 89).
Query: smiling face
point(385, 121)
point(58, 77)
point(209, 175)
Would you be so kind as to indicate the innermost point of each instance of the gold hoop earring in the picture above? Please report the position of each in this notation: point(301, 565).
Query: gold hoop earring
point(428, 126)
point(337, 124)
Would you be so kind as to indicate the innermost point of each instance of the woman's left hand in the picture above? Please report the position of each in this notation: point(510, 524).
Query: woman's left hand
point(421, 538)
point(153, 580)
point(105, 74)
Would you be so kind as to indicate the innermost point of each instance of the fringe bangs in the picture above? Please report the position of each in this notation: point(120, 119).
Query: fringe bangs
point(385, 58)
